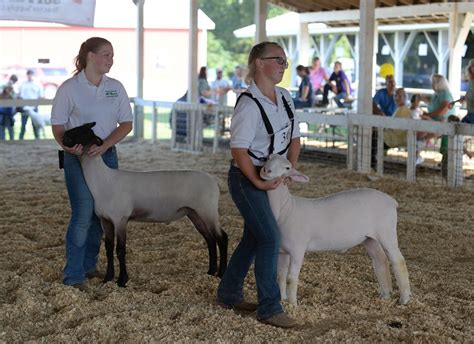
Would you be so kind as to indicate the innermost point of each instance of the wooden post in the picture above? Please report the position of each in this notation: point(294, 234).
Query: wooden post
point(303, 44)
point(260, 21)
point(139, 111)
point(366, 67)
point(154, 122)
point(411, 160)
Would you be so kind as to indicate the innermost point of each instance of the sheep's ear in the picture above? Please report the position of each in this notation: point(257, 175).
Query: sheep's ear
point(298, 176)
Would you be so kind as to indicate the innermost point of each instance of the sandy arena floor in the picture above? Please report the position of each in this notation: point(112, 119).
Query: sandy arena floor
point(169, 297)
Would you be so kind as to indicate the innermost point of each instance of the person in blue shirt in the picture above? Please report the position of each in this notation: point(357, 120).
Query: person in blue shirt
point(383, 104)
point(339, 84)
point(305, 92)
point(238, 82)
point(384, 99)
point(6, 113)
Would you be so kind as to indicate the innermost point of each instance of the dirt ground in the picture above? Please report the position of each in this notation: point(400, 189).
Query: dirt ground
point(169, 297)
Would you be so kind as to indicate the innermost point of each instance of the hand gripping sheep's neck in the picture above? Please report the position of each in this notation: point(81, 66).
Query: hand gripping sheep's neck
point(334, 223)
point(157, 196)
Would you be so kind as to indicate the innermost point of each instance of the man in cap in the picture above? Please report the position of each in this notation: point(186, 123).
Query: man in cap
point(30, 89)
point(220, 87)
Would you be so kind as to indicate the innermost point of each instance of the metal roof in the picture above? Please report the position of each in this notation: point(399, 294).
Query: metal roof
point(343, 12)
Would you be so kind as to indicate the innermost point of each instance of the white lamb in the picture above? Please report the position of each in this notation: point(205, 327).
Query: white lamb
point(156, 196)
point(334, 223)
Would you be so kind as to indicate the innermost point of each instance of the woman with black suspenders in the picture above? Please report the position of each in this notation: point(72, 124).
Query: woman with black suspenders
point(263, 123)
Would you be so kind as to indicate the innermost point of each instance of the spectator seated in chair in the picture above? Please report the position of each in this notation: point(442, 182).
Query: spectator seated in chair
point(305, 92)
point(339, 84)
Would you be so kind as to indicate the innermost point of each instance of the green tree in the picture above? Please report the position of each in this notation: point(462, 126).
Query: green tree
point(224, 49)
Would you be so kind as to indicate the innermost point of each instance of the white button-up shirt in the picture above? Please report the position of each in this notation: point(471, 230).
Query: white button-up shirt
point(248, 129)
point(79, 101)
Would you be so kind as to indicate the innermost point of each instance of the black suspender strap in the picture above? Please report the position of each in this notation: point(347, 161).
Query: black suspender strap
point(268, 125)
point(292, 120)
point(266, 122)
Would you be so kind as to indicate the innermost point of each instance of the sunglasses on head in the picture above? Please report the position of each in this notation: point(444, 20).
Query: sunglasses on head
point(280, 60)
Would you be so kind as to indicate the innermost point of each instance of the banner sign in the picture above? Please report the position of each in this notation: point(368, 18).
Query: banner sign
point(69, 12)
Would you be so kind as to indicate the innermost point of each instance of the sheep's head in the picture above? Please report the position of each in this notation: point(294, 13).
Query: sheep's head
point(83, 135)
point(278, 166)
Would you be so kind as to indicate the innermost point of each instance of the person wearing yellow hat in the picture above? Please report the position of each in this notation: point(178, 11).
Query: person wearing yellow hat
point(383, 105)
point(386, 69)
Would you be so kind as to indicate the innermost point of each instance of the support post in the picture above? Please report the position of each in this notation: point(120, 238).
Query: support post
point(366, 67)
point(260, 21)
point(303, 44)
point(139, 110)
point(411, 159)
point(192, 72)
point(459, 26)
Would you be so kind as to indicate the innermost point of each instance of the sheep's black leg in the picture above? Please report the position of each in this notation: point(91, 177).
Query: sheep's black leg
point(212, 250)
point(222, 242)
point(108, 228)
point(210, 240)
point(121, 248)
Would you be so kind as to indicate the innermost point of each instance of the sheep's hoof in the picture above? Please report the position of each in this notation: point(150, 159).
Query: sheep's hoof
point(212, 272)
point(404, 299)
point(385, 295)
point(122, 281)
point(108, 277)
point(293, 301)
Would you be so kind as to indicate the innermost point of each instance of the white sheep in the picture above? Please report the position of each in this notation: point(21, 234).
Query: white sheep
point(156, 196)
point(337, 222)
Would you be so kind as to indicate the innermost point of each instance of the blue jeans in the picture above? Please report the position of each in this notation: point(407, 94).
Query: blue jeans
point(84, 232)
point(469, 118)
point(299, 104)
point(337, 97)
point(24, 121)
point(260, 241)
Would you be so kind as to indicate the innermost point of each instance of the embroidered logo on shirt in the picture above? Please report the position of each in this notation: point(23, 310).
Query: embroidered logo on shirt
point(111, 93)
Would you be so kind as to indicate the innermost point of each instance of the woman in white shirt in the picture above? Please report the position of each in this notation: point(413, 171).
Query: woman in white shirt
point(89, 96)
point(263, 123)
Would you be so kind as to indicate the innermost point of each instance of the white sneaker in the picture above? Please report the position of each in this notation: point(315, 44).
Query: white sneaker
point(419, 160)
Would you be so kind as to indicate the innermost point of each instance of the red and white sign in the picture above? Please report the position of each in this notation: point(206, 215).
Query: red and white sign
point(69, 12)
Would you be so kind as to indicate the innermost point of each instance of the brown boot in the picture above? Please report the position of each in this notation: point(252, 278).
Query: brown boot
point(282, 320)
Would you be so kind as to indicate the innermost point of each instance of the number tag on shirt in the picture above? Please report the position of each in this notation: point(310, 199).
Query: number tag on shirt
point(282, 138)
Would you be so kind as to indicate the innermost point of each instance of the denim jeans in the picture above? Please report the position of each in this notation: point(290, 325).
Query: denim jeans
point(24, 121)
point(469, 118)
point(337, 97)
point(6, 122)
point(299, 104)
point(84, 232)
point(260, 241)
point(9, 130)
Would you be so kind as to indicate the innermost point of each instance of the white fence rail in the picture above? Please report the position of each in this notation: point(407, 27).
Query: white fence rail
point(204, 121)
point(353, 122)
point(201, 117)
